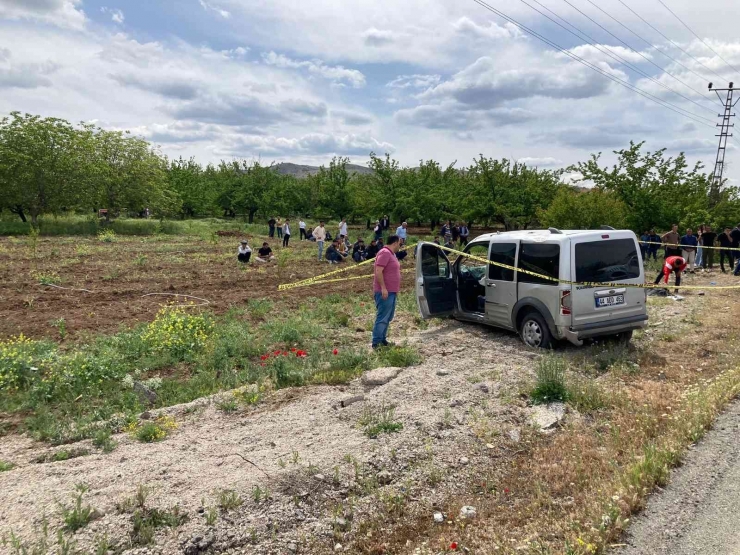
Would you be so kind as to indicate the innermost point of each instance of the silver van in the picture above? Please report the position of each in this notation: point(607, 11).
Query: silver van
point(541, 311)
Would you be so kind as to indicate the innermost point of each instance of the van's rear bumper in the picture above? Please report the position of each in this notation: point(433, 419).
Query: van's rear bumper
point(576, 334)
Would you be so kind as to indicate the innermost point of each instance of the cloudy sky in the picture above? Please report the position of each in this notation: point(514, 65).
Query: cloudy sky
point(282, 80)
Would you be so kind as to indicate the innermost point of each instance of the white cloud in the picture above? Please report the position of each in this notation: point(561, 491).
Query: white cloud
point(63, 13)
point(312, 143)
point(336, 74)
point(24, 75)
point(209, 6)
point(540, 162)
point(466, 26)
point(116, 15)
point(378, 37)
point(416, 81)
point(598, 53)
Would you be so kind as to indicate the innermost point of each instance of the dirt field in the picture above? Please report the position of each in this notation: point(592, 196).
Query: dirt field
point(117, 276)
point(299, 472)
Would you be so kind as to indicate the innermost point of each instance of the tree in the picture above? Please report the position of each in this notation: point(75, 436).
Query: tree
point(185, 177)
point(40, 162)
point(574, 209)
point(129, 175)
point(656, 191)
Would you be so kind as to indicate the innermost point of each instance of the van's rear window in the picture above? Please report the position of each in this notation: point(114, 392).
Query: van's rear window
point(539, 258)
point(607, 261)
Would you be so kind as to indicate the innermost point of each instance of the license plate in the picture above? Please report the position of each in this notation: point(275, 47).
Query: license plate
point(610, 301)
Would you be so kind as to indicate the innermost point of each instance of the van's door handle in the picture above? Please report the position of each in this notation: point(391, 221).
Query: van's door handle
point(490, 285)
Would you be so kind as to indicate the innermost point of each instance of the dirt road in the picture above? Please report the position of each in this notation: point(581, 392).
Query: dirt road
point(699, 512)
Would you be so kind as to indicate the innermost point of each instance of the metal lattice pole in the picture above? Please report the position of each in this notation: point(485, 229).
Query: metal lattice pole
point(725, 126)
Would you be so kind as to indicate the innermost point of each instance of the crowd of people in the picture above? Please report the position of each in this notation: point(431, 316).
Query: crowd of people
point(696, 249)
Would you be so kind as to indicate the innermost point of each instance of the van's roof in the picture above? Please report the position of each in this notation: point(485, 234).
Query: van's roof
point(555, 236)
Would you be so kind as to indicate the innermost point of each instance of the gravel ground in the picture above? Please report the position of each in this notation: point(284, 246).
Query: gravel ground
point(293, 437)
point(698, 513)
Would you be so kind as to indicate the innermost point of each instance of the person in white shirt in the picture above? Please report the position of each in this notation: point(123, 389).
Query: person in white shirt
point(319, 234)
point(401, 232)
point(286, 232)
point(245, 252)
point(343, 227)
point(302, 228)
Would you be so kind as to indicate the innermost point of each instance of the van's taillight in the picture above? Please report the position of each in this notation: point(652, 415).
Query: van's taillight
point(565, 304)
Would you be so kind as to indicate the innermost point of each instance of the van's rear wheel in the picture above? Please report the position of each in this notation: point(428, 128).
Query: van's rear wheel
point(534, 331)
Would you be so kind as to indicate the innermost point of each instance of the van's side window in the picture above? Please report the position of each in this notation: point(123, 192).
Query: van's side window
point(539, 258)
point(503, 253)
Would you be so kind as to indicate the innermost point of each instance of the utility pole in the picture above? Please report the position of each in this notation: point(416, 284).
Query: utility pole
point(719, 165)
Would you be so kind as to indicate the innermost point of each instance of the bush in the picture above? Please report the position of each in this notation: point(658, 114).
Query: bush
point(550, 384)
point(107, 236)
point(149, 432)
point(177, 332)
point(20, 359)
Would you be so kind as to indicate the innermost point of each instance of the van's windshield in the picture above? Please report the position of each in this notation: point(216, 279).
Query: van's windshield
point(607, 261)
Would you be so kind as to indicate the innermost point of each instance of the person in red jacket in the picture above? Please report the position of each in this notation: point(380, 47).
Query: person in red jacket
point(675, 264)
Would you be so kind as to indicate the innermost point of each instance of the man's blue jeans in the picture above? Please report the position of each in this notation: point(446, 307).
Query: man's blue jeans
point(321, 248)
point(386, 309)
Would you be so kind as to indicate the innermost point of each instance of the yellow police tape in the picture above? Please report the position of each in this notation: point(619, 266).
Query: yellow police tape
point(311, 281)
point(692, 246)
point(590, 284)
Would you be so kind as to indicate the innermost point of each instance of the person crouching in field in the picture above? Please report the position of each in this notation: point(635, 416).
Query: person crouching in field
point(264, 254)
point(675, 264)
point(333, 255)
point(245, 252)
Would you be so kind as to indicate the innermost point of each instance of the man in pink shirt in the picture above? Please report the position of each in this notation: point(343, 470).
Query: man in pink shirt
point(386, 285)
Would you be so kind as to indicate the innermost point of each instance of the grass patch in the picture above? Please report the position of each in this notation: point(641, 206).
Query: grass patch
point(104, 441)
point(379, 420)
point(400, 356)
point(229, 500)
point(5, 466)
point(78, 515)
point(550, 381)
point(150, 432)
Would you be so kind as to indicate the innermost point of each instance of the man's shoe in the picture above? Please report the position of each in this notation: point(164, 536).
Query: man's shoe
point(376, 346)
point(386, 344)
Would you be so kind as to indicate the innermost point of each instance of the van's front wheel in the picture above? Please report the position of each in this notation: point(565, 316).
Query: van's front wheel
point(534, 331)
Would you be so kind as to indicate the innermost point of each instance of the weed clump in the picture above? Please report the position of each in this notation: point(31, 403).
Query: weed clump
point(550, 381)
point(79, 515)
point(228, 499)
point(5, 466)
point(178, 332)
point(150, 432)
point(379, 420)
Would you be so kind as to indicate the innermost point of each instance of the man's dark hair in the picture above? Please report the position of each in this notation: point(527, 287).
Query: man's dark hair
point(264, 244)
point(392, 239)
point(321, 221)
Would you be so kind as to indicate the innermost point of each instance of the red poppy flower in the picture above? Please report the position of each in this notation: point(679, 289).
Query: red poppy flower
point(262, 364)
point(276, 352)
point(335, 352)
point(506, 490)
point(293, 350)
point(453, 546)
point(285, 353)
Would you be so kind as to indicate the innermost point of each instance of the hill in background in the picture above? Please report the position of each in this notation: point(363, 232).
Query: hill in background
point(297, 170)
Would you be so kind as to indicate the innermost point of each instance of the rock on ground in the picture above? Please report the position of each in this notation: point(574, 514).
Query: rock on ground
point(380, 376)
point(547, 417)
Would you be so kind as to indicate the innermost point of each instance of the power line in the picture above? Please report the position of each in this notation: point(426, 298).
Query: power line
point(664, 70)
point(580, 60)
point(650, 44)
point(698, 37)
point(592, 41)
point(669, 40)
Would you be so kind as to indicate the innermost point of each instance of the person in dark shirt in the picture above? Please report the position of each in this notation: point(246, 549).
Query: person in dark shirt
point(707, 240)
point(271, 222)
point(725, 241)
point(688, 243)
point(359, 252)
point(654, 245)
point(644, 239)
point(332, 253)
point(371, 250)
point(264, 254)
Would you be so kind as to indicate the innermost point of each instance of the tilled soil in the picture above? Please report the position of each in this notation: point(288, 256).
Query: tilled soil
point(120, 278)
point(310, 454)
